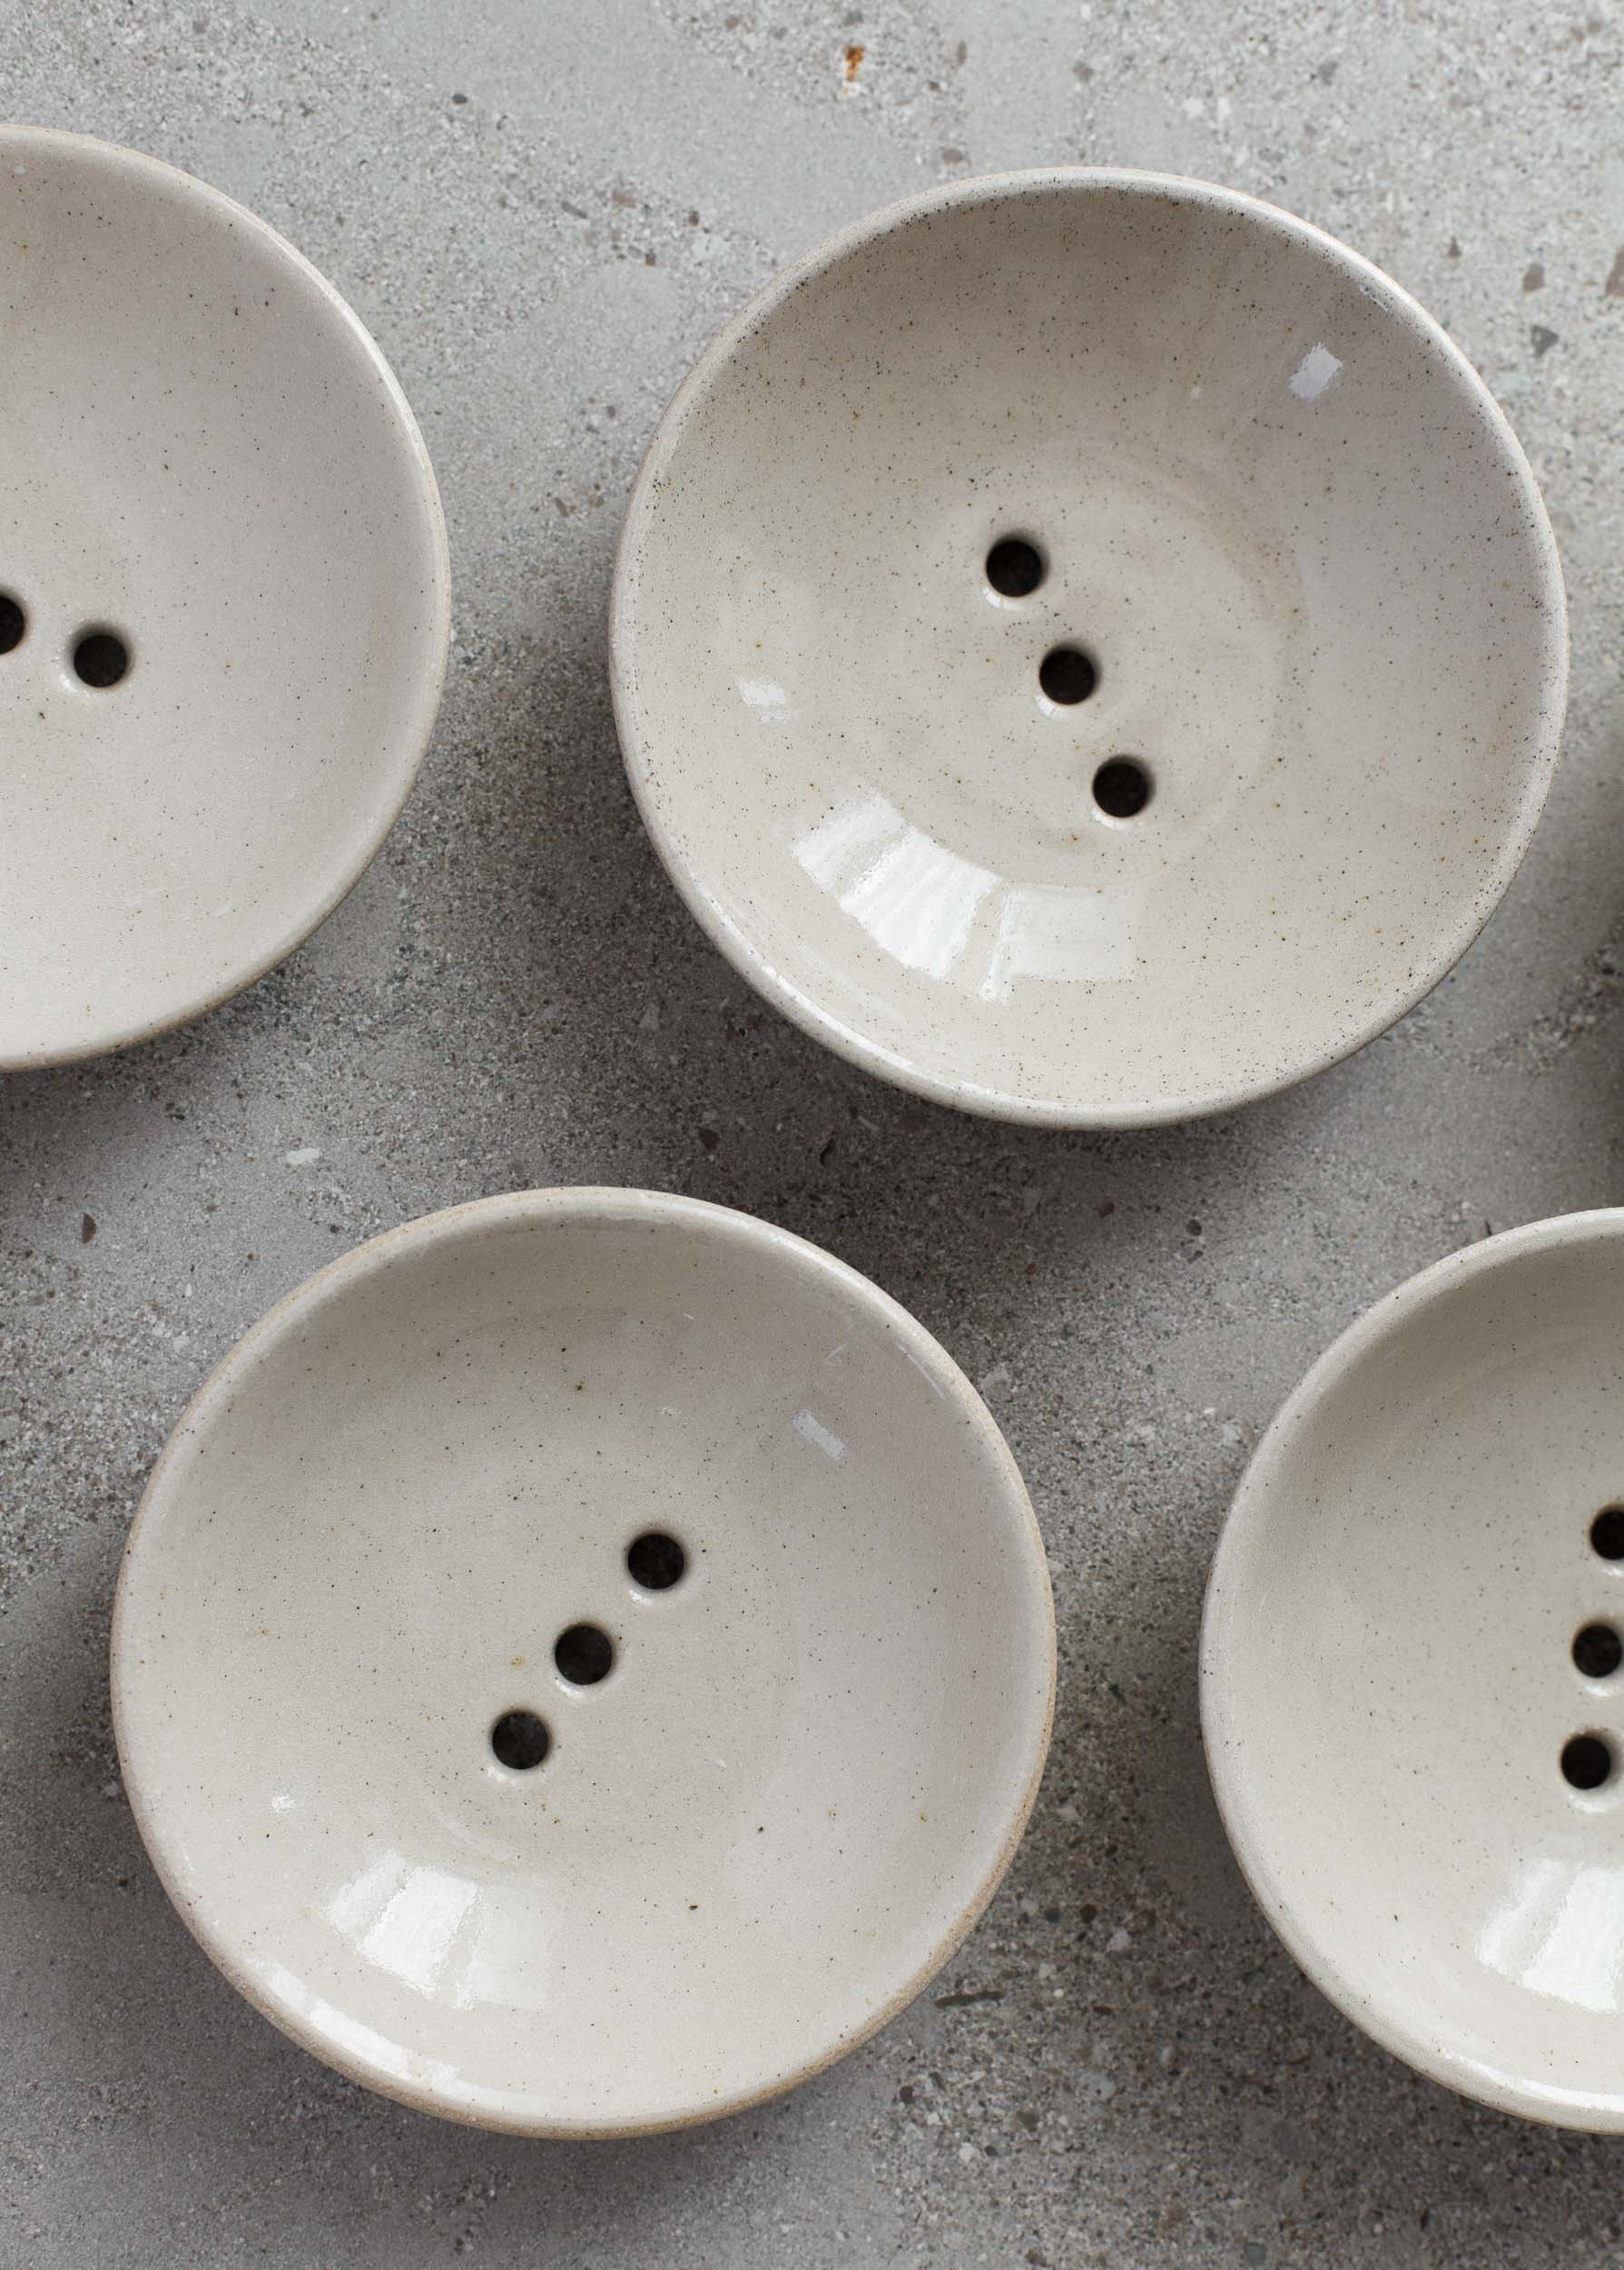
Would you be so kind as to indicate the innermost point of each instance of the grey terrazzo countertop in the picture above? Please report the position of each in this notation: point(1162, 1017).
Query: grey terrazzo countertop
point(542, 213)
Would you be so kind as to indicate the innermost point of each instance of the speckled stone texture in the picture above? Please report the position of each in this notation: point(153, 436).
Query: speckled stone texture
point(542, 213)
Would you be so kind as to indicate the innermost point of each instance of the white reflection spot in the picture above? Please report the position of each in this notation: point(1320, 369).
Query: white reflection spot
point(355, 1905)
point(1561, 1933)
point(405, 1919)
point(933, 910)
point(1313, 374)
point(769, 701)
point(416, 1931)
point(1049, 930)
point(912, 894)
point(813, 1430)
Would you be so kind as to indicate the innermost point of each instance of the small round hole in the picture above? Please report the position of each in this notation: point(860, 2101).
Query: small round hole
point(1122, 787)
point(100, 657)
point(584, 1654)
point(12, 623)
point(1597, 1651)
point(1014, 567)
point(1607, 1532)
point(1068, 675)
point(520, 1739)
point(656, 1561)
point(1587, 1761)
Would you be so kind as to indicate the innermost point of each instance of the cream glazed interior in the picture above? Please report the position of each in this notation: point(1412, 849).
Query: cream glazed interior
point(223, 598)
point(1088, 646)
point(1412, 1672)
point(584, 1661)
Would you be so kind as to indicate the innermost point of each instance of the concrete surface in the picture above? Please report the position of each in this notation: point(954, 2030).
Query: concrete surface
point(542, 211)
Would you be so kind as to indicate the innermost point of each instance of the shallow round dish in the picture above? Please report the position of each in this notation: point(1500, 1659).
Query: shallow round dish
point(222, 597)
point(1411, 1685)
point(1088, 648)
point(656, 1489)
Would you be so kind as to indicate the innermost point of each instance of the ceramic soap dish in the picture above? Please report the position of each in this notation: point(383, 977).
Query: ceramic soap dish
point(1088, 648)
point(1412, 1672)
point(582, 1662)
point(222, 597)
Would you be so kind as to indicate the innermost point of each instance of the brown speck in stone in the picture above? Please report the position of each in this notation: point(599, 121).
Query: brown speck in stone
point(1544, 341)
point(1454, 248)
point(459, 100)
point(1083, 71)
point(648, 259)
point(855, 54)
point(905, 2094)
point(87, 1229)
point(950, 156)
point(710, 1137)
point(1038, 2258)
point(1533, 276)
point(1614, 286)
point(1171, 2215)
point(1106, 1206)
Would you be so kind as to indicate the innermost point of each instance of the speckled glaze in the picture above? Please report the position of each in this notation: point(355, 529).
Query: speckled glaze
point(1388, 1674)
point(1281, 514)
point(758, 1836)
point(202, 450)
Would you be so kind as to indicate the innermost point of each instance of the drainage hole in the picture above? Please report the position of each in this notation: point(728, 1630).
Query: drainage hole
point(100, 657)
point(1014, 567)
point(1587, 1761)
point(1607, 1532)
point(1122, 788)
point(656, 1561)
point(584, 1654)
point(1068, 675)
point(520, 1739)
point(1597, 1651)
point(12, 623)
